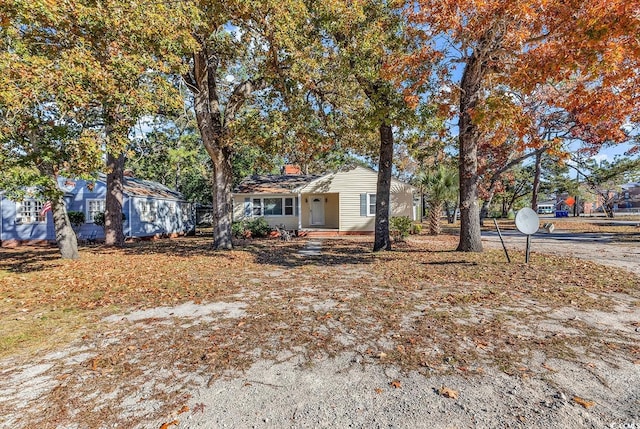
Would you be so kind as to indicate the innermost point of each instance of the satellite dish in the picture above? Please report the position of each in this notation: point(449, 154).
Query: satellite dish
point(527, 221)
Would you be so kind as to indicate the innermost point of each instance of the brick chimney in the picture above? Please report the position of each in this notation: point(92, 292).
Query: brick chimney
point(291, 170)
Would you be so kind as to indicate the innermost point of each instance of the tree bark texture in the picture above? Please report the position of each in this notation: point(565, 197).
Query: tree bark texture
point(536, 182)
point(65, 235)
point(113, 231)
point(382, 239)
point(470, 239)
point(222, 203)
point(434, 217)
point(211, 124)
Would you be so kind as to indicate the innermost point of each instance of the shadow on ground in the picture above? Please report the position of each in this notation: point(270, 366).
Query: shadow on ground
point(27, 259)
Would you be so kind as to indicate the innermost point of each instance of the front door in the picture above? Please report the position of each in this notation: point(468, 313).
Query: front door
point(317, 211)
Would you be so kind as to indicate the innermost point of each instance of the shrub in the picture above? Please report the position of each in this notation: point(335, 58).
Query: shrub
point(238, 228)
point(416, 228)
point(258, 227)
point(98, 219)
point(400, 227)
point(76, 218)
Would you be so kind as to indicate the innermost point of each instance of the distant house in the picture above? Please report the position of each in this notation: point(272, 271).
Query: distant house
point(150, 209)
point(629, 198)
point(341, 202)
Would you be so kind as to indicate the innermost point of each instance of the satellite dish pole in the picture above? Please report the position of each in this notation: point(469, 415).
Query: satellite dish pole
point(527, 222)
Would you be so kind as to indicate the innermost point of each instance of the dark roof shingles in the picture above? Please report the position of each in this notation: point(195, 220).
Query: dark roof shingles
point(273, 184)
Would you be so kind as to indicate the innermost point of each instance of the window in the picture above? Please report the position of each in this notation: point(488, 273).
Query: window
point(288, 206)
point(277, 206)
point(185, 209)
point(257, 207)
point(93, 208)
point(371, 204)
point(147, 211)
point(273, 206)
point(28, 211)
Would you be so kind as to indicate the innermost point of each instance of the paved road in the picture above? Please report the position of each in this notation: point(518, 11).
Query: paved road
point(597, 247)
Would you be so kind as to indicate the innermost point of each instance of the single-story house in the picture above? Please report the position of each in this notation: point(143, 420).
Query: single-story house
point(149, 208)
point(342, 202)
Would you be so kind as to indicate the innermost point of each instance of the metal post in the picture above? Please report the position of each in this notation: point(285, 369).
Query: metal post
point(501, 240)
point(526, 257)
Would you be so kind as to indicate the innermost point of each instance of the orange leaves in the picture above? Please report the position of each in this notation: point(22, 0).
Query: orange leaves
point(583, 402)
point(169, 424)
point(448, 393)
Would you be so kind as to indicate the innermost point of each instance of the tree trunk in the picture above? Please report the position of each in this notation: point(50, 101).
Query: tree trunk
point(65, 235)
point(536, 182)
point(434, 217)
point(222, 204)
point(113, 231)
point(382, 240)
point(470, 239)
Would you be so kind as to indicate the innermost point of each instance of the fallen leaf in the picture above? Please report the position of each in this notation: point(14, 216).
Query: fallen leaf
point(168, 424)
point(395, 384)
point(548, 368)
point(448, 393)
point(378, 390)
point(381, 355)
point(184, 409)
point(584, 402)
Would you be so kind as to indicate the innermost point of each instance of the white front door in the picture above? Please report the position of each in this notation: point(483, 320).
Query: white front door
point(317, 211)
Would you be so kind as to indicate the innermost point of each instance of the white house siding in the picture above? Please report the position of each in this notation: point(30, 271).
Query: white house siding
point(290, 222)
point(350, 185)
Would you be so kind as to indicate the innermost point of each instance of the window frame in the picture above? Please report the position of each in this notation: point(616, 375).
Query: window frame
point(147, 210)
point(33, 216)
point(371, 212)
point(259, 208)
point(90, 218)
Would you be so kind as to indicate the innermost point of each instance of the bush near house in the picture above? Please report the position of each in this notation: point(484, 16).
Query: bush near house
point(76, 218)
point(400, 227)
point(98, 219)
point(255, 228)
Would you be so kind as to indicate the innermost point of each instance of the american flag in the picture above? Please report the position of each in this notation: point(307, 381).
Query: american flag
point(45, 208)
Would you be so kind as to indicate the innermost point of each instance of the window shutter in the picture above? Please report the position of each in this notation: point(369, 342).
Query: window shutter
point(247, 207)
point(363, 204)
point(296, 209)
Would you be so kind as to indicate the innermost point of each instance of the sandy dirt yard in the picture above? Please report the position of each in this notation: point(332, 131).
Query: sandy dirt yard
point(357, 388)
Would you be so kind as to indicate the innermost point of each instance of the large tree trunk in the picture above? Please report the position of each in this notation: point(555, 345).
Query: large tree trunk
point(222, 204)
point(382, 240)
point(113, 232)
point(470, 239)
point(65, 235)
point(536, 182)
point(435, 209)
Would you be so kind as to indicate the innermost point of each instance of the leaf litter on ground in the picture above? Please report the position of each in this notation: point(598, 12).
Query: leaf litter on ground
point(421, 307)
